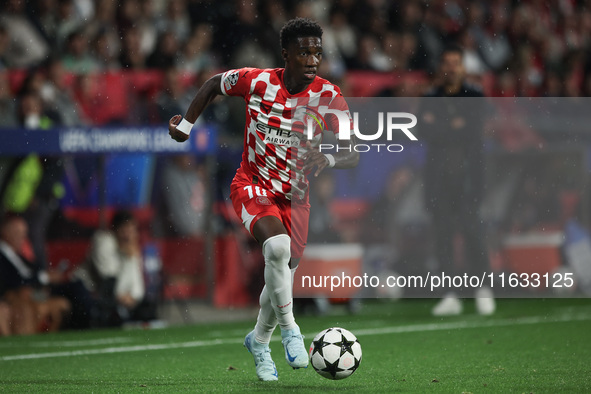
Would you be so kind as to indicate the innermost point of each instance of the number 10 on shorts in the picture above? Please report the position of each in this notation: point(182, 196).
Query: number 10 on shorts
point(259, 192)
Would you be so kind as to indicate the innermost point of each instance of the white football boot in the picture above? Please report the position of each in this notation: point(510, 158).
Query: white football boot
point(485, 301)
point(265, 367)
point(450, 305)
point(295, 350)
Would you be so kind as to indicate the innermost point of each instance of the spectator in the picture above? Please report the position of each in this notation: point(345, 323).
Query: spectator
point(196, 54)
point(172, 96)
point(431, 37)
point(4, 48)
point(454, 176)
point(27, 46)
point(166, 52)
point(58, 96)
point(8, 107)
point(68, 21)
point(104, 24)
point(473, 62)
point(113, 272)
point(22, 282)
point(176, 20)
point(33, 185)
point(183, 197)
point(321, 228)
point(77, 58)
point(339, 38)
point(132, 55)
point(5, 318)
point(44, 16)
point(493, 41)
point(104, 50)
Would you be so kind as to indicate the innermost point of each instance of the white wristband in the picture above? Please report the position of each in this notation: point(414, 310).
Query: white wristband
point(330, 159)
point(185, 126)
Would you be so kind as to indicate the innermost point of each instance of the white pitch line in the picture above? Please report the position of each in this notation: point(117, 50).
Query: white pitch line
point(359, 333)
point(87, 342)
point(471, 324)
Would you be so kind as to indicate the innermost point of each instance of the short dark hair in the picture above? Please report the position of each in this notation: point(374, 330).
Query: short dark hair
point(296, 28)
point(120, 218)
point(452, 48)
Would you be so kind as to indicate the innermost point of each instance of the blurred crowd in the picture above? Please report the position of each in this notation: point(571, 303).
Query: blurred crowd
point(134, 62)
point(530, 48)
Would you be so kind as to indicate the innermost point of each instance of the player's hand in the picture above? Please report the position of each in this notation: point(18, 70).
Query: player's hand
point(127, 300)
point(314, 158)
point(175, 134)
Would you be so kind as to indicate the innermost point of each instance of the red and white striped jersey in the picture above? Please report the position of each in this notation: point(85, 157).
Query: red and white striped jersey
point(271, 143)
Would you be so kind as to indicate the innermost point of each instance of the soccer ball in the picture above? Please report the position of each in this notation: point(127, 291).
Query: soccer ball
point(335, 353)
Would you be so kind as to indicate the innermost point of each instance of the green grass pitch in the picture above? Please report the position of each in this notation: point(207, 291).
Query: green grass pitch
point(539, 346)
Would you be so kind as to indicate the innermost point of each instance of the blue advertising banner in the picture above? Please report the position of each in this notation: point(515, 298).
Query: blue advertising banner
point(97, 140)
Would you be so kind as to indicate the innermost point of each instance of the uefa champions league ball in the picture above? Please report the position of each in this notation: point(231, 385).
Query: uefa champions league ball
point(335, 353)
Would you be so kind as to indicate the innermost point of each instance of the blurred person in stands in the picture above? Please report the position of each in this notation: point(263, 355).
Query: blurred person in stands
point(27, 46)
point(33, 183)
point(113, 272)
point(175, 20)
point(431, 35)
point(55, 19)
point(394, 230)
point(4, 47)
point(104, 33)
point(243, 38)
point(138, 15)
point(77, 57)
point(173, 96)
point(132, 55)
point(8, 117)
point(270, 190)
point(5, 318)
point(473, 63)
point(58, 95)
point(454, 172)
point(8, 120)
point(196, 55)
point(340, 42)
point(22, 282)
point(183, 197)
point(492, 39)
point(166, 52)
point(322, 227)
point(105, 49)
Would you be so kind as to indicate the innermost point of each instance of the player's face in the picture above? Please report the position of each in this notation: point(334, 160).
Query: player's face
point(452, 68)
point(302, 60)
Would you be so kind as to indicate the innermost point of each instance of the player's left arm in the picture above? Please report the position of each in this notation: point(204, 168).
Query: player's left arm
point(345, 157)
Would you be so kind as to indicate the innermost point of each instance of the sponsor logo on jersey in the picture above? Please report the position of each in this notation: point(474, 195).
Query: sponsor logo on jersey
point(277, 136)
point(312, 113)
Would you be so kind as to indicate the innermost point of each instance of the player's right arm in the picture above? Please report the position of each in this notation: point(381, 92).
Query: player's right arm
point(179, 128)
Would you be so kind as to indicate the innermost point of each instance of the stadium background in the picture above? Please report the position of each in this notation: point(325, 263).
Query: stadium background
point(131, 64)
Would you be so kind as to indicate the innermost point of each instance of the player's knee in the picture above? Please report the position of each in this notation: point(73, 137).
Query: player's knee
point(277, 249)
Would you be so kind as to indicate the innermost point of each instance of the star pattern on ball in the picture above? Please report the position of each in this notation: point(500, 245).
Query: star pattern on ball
point(319, 345)
point(332, 368)
point(346, 345)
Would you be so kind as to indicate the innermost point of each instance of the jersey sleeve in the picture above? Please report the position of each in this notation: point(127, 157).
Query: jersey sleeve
point(236, 82)
point(339, 104)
